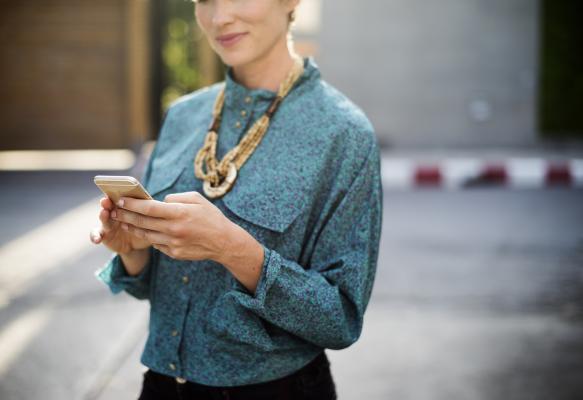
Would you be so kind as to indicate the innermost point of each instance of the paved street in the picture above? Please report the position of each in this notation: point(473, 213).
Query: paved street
point(479, 295)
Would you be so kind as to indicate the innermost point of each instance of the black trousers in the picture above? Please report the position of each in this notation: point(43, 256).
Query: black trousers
point(312, 382)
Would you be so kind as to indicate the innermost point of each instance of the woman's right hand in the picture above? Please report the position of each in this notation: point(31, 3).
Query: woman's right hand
point(111, 234)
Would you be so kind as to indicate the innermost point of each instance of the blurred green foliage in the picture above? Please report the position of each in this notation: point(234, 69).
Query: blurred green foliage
point(180, 74)
point(561, 93)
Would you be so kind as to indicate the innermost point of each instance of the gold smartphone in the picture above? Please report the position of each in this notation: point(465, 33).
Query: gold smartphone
point(114, 187)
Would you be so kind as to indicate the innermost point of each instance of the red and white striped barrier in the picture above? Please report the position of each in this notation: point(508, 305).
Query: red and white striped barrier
point(459, 173)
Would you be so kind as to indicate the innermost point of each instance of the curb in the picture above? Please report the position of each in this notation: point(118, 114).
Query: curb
point(462, 173)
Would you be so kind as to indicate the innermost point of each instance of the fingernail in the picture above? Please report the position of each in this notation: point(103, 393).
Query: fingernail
point(124, 227)
point(113, 214)
point(120, 203)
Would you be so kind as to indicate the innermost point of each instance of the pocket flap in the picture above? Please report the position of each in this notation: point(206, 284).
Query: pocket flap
point(272, 204)
point(166, 169)
point(163, 177)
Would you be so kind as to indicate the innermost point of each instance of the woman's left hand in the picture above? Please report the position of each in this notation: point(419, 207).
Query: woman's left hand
point(186, 226)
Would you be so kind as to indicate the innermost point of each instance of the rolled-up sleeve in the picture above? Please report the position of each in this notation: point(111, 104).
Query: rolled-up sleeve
point(325, 302)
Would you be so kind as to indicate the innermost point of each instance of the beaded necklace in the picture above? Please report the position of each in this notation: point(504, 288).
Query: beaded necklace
point(220, 176)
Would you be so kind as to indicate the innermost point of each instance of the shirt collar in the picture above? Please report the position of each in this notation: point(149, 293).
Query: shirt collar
point(237, 95)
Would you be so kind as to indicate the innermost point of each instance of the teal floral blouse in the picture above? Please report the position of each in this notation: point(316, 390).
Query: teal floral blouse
point(311, 194)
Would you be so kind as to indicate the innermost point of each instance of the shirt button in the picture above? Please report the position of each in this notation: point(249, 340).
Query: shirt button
point(238, 124)
point(243, 113)
point(172, 367)
point(185, 279)
point(247, 99)
point(180, 380)
point(175, 333)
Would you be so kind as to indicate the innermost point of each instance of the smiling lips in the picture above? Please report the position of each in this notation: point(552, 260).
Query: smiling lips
point(230, 39)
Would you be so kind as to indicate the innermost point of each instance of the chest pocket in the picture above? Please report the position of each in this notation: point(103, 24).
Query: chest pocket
point(266, 202)
point(265, 199)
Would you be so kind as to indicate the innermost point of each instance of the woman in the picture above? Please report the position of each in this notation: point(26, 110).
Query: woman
point(260, 248)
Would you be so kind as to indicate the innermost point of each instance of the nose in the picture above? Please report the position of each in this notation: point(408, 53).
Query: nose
point(222, 13)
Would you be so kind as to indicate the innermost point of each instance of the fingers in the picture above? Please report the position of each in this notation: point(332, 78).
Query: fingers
point(106, 221)
point(156, 238)
point(152, 208)
point(164, 249)
point(139, 220)
point(96, 235)
point(106, 203)
point(104, 215)
point(193, 197)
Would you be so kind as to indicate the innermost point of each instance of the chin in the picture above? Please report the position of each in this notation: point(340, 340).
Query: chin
point(235, 60)
point(231, 61)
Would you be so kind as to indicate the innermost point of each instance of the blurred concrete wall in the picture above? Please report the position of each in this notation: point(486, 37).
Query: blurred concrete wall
point(446, 73)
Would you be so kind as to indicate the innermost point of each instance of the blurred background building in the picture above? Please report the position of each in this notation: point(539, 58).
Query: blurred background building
point(87, 74)
point(75, 74)
point(459, 73)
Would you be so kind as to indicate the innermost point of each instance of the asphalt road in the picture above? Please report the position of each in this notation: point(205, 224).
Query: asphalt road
point(479, 295)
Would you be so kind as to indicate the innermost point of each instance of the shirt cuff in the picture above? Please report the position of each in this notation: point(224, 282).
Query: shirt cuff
point(114, 275)
point(269, 272)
